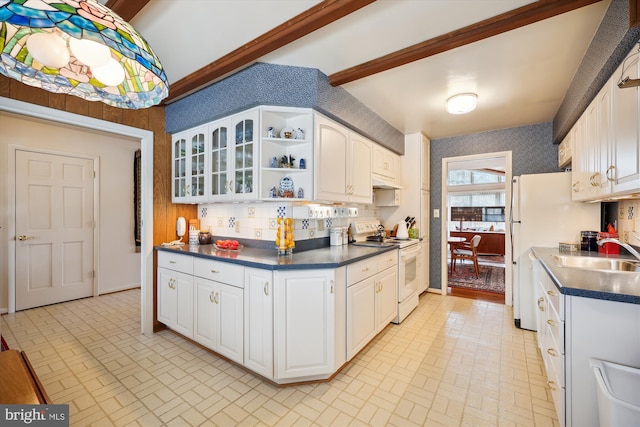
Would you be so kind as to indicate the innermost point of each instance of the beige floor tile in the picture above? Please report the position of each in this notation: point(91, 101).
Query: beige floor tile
point(451, 362)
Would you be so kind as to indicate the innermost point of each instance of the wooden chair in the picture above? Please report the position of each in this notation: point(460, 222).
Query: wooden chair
point(467, 250)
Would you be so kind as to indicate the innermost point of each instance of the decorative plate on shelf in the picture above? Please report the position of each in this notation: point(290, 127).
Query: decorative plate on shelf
point(288, 133)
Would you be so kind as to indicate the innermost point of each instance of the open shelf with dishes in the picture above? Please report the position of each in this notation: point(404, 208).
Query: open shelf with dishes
point(286, 156)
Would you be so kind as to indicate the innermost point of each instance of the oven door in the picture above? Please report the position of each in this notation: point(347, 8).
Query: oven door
point(408, 272)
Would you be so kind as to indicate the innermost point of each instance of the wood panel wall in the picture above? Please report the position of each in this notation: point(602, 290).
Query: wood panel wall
point(164, 212)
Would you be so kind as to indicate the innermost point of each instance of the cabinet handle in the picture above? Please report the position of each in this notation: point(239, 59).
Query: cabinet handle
point(211, 297)
point(364, 270)
point(552, 385)
point(540, 301)
point(187, 190)
point(575, 186)
point(216, 298)
point(552, 293)
point(215, 271)
point(172, 283)
point(551, 322)
point(331, 290)
point(266, 288)
point(609, 169)
point(561, 152)
point(552, 352)
point(172, 261)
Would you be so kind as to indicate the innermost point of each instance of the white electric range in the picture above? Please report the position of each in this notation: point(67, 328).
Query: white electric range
point(369, 232)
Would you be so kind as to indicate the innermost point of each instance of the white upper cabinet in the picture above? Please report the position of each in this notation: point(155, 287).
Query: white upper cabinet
point(188, 170)
point(243, 155)
point(331, 160)
point(359, 189)
point(626, 125)
point(606, 141)
point(219, 133)
point(386, 166)
point(342, 163)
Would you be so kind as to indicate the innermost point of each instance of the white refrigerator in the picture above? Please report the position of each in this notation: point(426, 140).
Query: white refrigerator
point(542, 214)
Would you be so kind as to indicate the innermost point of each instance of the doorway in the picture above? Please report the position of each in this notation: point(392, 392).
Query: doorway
point(146, 143)
point(54, 207)
point(475, 189)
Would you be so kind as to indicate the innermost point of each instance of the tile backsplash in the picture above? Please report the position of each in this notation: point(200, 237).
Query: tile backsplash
point(258, 221)
point(628, 220)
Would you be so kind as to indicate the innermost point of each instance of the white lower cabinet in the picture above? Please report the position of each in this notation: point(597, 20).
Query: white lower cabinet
point(285, 325)
point(175, 292)
point(550, 336)
point(218, 307)
point(219, 318)
point(258, 321)
point(309, 324)
point(361, 315)
point(372, 299)
point(577, 329)
point(387, 297)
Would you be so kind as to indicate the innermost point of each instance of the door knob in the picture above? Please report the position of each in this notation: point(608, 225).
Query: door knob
point(22, 237)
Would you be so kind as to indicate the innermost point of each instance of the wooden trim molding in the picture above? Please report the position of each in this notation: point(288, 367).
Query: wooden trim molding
point(127, 9)
point(305, 23)
point(529, 14)
point(634, 13)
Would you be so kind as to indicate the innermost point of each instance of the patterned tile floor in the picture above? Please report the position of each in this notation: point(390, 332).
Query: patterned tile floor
point(452, 362)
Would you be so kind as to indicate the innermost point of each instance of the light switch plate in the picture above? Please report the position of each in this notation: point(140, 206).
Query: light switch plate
point(436, 213)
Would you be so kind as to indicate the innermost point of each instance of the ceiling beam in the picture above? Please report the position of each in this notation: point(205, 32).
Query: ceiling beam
point(299, 26)
point(525, 15)
point(127, 9)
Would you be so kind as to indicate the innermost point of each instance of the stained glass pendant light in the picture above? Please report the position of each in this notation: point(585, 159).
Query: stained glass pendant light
point(81, 48)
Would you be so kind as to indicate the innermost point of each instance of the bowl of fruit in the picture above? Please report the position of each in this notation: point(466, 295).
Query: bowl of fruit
point(228, 245)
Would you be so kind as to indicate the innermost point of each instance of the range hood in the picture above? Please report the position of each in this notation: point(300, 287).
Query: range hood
point(378, 182)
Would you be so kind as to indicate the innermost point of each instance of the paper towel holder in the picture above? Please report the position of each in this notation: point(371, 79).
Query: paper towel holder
point(181, 227)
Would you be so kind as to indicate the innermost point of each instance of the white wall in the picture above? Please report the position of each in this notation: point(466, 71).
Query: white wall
point(119, 264)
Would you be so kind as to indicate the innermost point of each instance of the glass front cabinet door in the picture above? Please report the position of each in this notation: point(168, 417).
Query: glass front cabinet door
point(244, 149)
point(189, 166)
point(220, 136)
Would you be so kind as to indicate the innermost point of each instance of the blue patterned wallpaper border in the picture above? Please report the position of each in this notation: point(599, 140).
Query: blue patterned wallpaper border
point(281, 85)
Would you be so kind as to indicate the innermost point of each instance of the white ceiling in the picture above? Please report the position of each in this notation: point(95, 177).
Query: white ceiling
point(520, 77)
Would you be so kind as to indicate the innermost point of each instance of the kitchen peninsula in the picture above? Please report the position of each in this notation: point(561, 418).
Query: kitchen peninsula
point(286, 318)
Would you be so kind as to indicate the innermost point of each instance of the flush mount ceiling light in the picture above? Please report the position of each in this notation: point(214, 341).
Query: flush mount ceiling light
point(81, 48)
point(462, 103)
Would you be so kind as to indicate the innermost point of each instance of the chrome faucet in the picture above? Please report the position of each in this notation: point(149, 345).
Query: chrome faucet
point(624, 245)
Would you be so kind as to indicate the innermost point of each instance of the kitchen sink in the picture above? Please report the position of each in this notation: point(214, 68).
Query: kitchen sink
point(593, 263)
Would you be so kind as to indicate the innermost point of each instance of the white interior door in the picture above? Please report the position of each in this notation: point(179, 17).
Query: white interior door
point(54, 228)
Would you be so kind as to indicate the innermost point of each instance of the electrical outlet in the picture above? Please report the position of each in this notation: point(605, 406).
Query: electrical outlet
point(436, 213)
point(321, 225)
point(237, 226)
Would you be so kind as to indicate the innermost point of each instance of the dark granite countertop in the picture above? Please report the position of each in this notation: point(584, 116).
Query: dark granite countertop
point(326, 257)
point(622, 286)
